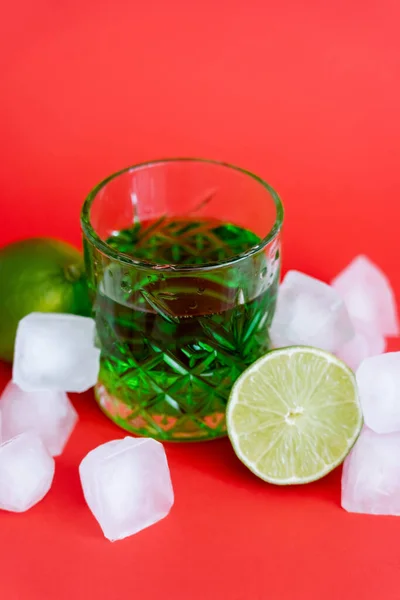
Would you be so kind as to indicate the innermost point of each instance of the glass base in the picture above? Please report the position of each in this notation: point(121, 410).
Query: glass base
point(144, 421)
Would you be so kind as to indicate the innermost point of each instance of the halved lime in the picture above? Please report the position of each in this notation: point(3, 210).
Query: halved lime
point(294, 415)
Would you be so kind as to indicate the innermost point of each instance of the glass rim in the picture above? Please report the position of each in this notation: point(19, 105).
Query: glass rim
point(127, 259)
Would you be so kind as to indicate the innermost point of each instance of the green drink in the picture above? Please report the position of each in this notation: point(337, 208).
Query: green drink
point(179, 324)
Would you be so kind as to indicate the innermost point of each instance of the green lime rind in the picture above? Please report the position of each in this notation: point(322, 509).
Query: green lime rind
point(39, 275)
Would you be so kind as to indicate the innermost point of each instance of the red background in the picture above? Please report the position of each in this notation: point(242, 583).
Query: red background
point(307, 95)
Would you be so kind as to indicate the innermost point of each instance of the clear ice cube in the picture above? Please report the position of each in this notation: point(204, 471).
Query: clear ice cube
point(368, 296)
point(378, 380)
point(26, 472)
point(371, 475)
point(55, 352)
point(309, 312)
point(365, 343)
point(47, 413)
point(127, 485)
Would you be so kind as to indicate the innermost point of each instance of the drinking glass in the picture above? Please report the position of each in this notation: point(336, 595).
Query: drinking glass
point(183, 263)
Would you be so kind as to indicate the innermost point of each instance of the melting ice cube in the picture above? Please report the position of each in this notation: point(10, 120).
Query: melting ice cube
point(127, 485)
point(368, 296)
point(371, 475)
point(55, 352)
point(309, 312)
point(26, 472)
point(47, 413)
point(365, 343)
point(378, 380)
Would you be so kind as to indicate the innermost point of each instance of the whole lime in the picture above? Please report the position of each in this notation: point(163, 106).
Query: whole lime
point(38, 275)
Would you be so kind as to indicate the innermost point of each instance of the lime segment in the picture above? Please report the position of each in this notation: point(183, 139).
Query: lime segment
point(294, 415)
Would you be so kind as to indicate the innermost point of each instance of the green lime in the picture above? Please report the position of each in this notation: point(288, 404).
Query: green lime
point(294, 415)
point(38, 275)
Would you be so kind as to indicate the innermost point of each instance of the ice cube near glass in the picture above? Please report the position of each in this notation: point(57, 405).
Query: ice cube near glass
point(368, 295)
point(371, 475)
point(365, 343)
point(378, 380)
point(26, 472)
point(47, 413)
point(55, 352)
point(127, 485)
point(311, 313)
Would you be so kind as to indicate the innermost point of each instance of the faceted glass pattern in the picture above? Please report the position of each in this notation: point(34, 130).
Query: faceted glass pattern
point(183, 286)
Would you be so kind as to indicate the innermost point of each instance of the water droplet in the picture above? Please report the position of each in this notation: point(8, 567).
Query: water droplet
point(126, 285)
point(201, 290)
point(193, 305)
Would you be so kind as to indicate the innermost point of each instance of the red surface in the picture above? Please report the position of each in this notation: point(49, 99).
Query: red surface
point(305, 94)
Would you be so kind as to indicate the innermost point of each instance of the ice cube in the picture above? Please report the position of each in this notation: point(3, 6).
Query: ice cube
point(127, 485)
point(26, 472)
point(309, 312)
point(368, 296)
point(365, 343)
point(49, 414)
point(55, 352)
point(378, 380)
point(371, 475)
